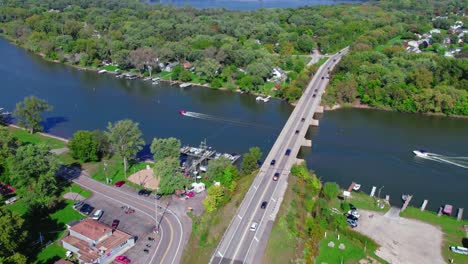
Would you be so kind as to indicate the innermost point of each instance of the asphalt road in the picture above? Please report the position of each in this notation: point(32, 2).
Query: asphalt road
point(171, 236)
point(239, 244)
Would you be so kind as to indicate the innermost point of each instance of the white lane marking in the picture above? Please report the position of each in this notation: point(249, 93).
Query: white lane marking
point(255, 187)
point(256, 239)
point(240, 217)
point(220, 254)
point(273, 199)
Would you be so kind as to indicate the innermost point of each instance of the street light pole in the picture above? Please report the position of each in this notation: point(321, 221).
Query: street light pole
point(105, 171)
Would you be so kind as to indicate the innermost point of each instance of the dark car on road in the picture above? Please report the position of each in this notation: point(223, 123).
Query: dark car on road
point(144, 192)
point(276, 176)
point(323, 77)
point(157, 196)
point(273, 162)
point(86, 209)
point(303, 119)
point(264, 204)
point(115, 223)
point(297, 132)
point(288, 151)
point(119, 183)
point(314, 95)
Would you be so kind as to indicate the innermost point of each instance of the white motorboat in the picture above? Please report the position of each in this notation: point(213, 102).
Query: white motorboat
point(357, 186)
point(420, 153)
point(184, 85)
point(102, 71)
point(459, 250)
point(264, 99)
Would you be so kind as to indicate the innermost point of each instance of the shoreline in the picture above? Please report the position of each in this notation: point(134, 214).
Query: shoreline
point(357, 104)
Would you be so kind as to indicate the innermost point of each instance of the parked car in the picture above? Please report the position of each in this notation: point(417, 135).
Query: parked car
point(354, 212)
point(115, 223)
point(352, 207)
point(253, 226)
point(276, 176)
point(264, 204)
point(77, 204)
point(11, 200)
point(119, 183)
point(144, 192)
point(122, 259)
point(86, 209)
point(157, 196)
point(97, 215)
point(352, 217)
point(351, 223)
point(272, 162)
point(288, 151)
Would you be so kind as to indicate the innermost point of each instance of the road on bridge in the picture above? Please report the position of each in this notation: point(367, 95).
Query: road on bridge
point(240, 244)
point(171, 230)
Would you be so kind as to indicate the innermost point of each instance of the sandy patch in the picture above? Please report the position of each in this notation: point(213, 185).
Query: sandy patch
point(145, 178)
point(73, 196)
point(402, 240)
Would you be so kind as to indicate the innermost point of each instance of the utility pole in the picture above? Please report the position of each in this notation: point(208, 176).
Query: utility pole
point(105, 171)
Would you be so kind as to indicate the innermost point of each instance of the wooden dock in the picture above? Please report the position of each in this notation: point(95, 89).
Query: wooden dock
point(460, 214)
point(408, 200)
point(350, 188)
point(373, 191)
point(424, 204)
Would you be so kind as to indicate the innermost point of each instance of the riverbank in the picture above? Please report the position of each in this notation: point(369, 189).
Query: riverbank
point(359, 105)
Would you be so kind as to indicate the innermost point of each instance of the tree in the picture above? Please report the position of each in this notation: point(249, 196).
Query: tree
point(144, 59)
point(125, 139)
point(29, 113)
point(102, 140)
point(216, 167)
point(8, 146)
point(185, 76)
point(214, 199)
point(170, 178)
point(330, 190)
point(12, 232)
point(30, 163)
point(84, 146)
point(165, 148)
point(250, 160)
point(207, 68)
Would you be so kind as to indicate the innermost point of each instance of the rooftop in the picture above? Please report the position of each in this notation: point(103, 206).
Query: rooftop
point(117, 238)
point(91, 229)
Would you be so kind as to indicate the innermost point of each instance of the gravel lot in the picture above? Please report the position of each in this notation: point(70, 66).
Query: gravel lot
point(402, 240)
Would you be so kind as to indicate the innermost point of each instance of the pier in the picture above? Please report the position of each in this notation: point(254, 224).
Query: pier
point(205, 153)
point(460, 214)
point(424, 204)
point(407, 201)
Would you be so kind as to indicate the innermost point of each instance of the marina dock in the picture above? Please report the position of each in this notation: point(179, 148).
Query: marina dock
point(460, 214)
point(204, 153)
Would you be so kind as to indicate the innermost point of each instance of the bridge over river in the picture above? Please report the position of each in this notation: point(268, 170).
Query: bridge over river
point(240, 244)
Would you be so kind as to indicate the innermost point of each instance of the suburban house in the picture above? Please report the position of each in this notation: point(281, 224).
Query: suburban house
point(187, 65)
point(278, 74)
point(170, 66)
point(95, 242)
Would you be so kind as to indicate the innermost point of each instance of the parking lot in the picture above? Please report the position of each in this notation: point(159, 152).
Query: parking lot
point(135, 224)
point(402, 240)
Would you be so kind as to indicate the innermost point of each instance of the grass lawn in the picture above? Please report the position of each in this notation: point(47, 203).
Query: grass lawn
point(25, 137)
point(208, 229)
point(389, 43)
point(77, 189)
point(110, 68)
point(453, 230)
point(163, 75)
point(351, 254)
point(115, 171)
point(50, 254)
point(364, 201)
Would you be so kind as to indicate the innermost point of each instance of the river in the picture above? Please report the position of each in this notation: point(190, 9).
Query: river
point(249, 4)
point(373, 148)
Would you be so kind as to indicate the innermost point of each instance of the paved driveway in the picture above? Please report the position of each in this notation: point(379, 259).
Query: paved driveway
point(402, 240)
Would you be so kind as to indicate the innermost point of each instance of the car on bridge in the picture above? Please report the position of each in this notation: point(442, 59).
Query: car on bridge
point(314, 95)
point(288, 151)
point(253, 226)
point(264, 204)
point(303, 119)
point(323, 77)
point(273, 162)
point(297, 132)
point(276, 176)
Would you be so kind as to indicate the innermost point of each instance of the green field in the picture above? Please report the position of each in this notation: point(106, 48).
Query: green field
point(363, 201)
point(115, 171)
point(453, 230)
point(26, 137)
point(351, 254)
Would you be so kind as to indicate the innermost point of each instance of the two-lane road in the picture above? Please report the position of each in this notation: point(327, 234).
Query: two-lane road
point(170, 246)
point(240, 244)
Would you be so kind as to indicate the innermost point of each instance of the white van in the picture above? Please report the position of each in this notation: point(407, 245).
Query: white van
point(97, 215)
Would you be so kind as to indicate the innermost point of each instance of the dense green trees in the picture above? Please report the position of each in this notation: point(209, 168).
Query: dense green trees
point(29, 113)
point(84, 146)
point(250, 160)
point(169, 175)
point(12, 235)
point(165, 148)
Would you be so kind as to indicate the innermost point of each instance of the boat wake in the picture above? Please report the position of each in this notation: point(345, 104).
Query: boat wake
point(223, 120)
point(457, 161)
